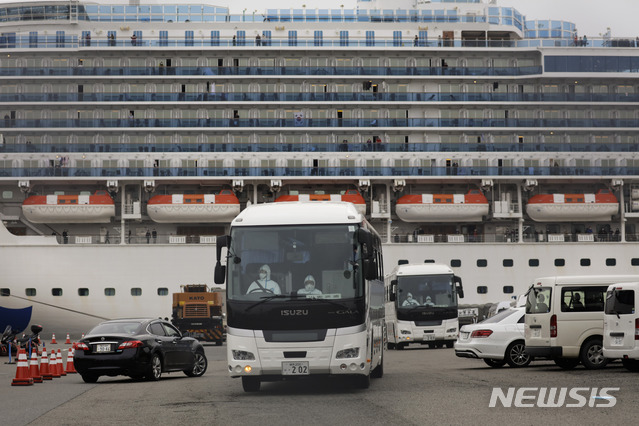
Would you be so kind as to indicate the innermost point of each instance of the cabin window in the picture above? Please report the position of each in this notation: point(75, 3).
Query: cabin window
point(482, 289)
point(482, 263)
point(508, 263)
point(611, 262)
point(560, 262)
point(163, 291)
point(30, 291)
point(7, 195)
point(136, 291)
point(533, 263)
point(455, 263)
point(109, 291)
point(509, 289)
point(56, 292)
point(5, 292)
point(83, 292)
point(584, 262)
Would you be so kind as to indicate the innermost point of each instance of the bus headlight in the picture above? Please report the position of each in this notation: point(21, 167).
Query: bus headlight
point(451, 330)
point(243, 355)
point(348, 353)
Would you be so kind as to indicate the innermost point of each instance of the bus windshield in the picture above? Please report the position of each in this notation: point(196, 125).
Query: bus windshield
point(426, 290)
point(294, 262)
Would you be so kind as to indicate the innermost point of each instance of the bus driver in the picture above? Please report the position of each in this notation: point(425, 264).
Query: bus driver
point(410, 301)
point(264, 283)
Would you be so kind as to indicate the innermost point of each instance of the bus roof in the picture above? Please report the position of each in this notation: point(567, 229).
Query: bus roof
point(422, 269)
point(298, 213)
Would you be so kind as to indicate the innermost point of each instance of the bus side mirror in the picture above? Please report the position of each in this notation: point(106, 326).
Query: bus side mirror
point(458, 286)
point(393, 291)
point(365, 239)
point(220, 270)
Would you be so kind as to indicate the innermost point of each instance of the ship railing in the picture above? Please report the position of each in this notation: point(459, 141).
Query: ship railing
point(508, 237)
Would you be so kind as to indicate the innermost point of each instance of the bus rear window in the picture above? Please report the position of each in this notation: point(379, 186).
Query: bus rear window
point(621, 302)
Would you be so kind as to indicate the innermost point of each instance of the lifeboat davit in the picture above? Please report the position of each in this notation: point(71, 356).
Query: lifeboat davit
point(350, 196)
point(469, 207)
point(96, 208)
point(191, 208)
point(573, 207)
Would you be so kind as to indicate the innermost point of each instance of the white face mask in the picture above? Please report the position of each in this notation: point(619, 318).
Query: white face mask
point(262, 275)
point(309, 287)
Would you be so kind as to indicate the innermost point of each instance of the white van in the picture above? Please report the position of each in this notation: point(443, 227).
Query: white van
point(564, 318)
point(621, 324)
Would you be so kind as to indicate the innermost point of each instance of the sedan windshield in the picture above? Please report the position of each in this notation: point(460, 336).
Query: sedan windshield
point(116, 328)
point(275, 263)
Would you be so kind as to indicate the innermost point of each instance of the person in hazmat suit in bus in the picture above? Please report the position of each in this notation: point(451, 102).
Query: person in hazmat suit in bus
point(410, 301)
point(264, 283)
point(309, 286)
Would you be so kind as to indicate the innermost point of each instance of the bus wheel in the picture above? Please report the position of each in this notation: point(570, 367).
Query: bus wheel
point(390, 345)
point(251, 384)
point(567, 363)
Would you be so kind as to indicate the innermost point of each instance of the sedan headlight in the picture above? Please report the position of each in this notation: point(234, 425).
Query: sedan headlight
point(348, 353)
point(243, 355)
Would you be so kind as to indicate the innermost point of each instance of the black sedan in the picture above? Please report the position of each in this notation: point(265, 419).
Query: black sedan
point(137, 348)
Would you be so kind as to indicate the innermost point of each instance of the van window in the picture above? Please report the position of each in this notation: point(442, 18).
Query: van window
point(538, 300)
point(620, 302)
point(583, 299)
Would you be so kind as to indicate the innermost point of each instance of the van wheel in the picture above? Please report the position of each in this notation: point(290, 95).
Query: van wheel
point(591, 354)
point(631, 364)
point(494, 363)
point(567, 363)
point(516, 355)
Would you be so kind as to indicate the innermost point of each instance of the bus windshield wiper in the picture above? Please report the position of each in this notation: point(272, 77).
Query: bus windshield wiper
point(267, 298)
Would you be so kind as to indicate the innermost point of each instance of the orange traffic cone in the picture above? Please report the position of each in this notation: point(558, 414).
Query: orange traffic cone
point(44, 366)
point(70, 366)
point(53, 365)
point(68, 341)
point(22, 373)
point(34, 370)
point(53, 341)
point(60, 362)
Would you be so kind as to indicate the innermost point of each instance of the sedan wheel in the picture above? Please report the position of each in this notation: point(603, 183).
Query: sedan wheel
point(495, 363)
point(516, 355)
point(199, 366)
point(155, 369)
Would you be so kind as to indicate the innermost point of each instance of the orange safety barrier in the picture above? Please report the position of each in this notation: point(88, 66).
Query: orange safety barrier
point(70, 366)
point(53, 341)
point(34, 370)
point(22, 372)
point(60, 362)
point(68, 341)
point(44, 366)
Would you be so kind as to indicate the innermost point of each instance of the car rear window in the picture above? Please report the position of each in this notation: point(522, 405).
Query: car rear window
point(116, 328)
point(500, 316)
point(620, 302)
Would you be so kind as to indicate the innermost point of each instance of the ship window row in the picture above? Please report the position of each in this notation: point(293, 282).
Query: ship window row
point(589, 64)
point(507, 289)
point(83, 292)
point(534, 263)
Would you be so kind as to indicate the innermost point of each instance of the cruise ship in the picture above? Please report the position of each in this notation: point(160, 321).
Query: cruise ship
point(132, 132)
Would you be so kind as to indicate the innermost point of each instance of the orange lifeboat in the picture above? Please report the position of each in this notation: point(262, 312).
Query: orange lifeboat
point(350, 196)
point(469, 207)
point(191, 208)
point(573, 207)
point(96, 208)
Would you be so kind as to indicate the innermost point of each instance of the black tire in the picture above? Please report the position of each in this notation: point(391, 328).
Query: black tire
point(450, 344)
point(631, 364)
point(591, 354)
point(494, 363)
point(200, 363)
point(154, 371)
point(378, 372)
point(90, 378)
point(516, 355)
point(566, 363)
point(251, 384)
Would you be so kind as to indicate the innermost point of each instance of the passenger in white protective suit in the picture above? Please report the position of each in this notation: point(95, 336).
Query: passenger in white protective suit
point(429, 301)
point(309, 286)
point(410, 301)
point(264, 283)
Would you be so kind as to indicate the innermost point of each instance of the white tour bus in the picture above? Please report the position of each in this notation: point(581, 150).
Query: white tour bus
point(304, 293)
point(564, 319)
point(621, 324)
point(421, 305)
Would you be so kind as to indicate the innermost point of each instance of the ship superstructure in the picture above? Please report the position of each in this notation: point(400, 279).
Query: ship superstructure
point(421, 107)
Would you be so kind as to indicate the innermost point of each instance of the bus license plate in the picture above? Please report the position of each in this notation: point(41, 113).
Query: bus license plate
point(103, 348)
point(429, 337)
point(299, 368)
